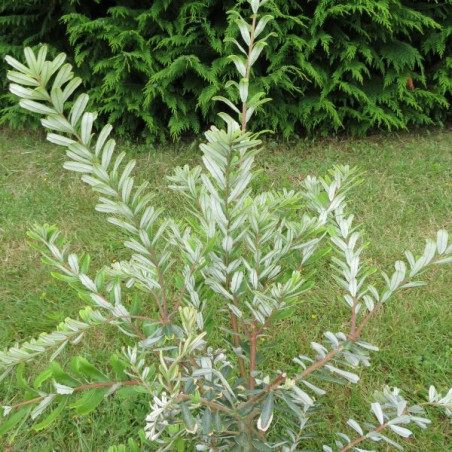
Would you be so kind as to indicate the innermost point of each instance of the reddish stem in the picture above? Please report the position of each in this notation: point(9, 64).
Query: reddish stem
point(253, 353)
point(81, 388)
point(320, 363)
point(362, 438)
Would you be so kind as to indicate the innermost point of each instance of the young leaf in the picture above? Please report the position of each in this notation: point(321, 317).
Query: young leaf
point(376, 408)
point(401, 431)
point(239, 64)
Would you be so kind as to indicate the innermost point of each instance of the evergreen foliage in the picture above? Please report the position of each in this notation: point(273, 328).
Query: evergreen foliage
point(222, 275)
point(335, 66)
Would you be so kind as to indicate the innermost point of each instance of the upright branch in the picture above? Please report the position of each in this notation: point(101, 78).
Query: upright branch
point(248, 68)
point(236, 246)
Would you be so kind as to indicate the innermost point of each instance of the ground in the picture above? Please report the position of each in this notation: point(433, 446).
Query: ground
point(407, 197)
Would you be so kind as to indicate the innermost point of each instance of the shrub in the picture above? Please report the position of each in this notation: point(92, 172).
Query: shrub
point(208, 287)
point(335, 66)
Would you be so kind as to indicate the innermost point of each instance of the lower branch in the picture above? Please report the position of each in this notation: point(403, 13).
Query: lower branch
point(80, 388)
point(362, 438)
point(320, 363)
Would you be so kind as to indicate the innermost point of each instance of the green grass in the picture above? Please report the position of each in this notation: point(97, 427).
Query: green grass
point(407, 197)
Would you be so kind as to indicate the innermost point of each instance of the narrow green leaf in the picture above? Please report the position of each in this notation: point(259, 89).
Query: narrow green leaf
point(20, 378)
point(89, 401)
point(57, 62)
point(52, 416)
point(61, 376)
point(85, 368)
point(206, 422)
point(266, 417)
point(14, 419)
point(284, 314)
point(118, 366)
point(57, 123)
point(227, 102)
point(43, 376)
point(190, 422)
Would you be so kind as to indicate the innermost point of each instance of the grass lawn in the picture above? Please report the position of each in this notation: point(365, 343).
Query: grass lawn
point(407, 197)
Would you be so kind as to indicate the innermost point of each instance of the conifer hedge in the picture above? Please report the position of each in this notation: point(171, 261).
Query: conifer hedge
point(336, 66)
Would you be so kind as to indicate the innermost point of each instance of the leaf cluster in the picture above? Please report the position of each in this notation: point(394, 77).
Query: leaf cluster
point(207, 287)
point(153, 71)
